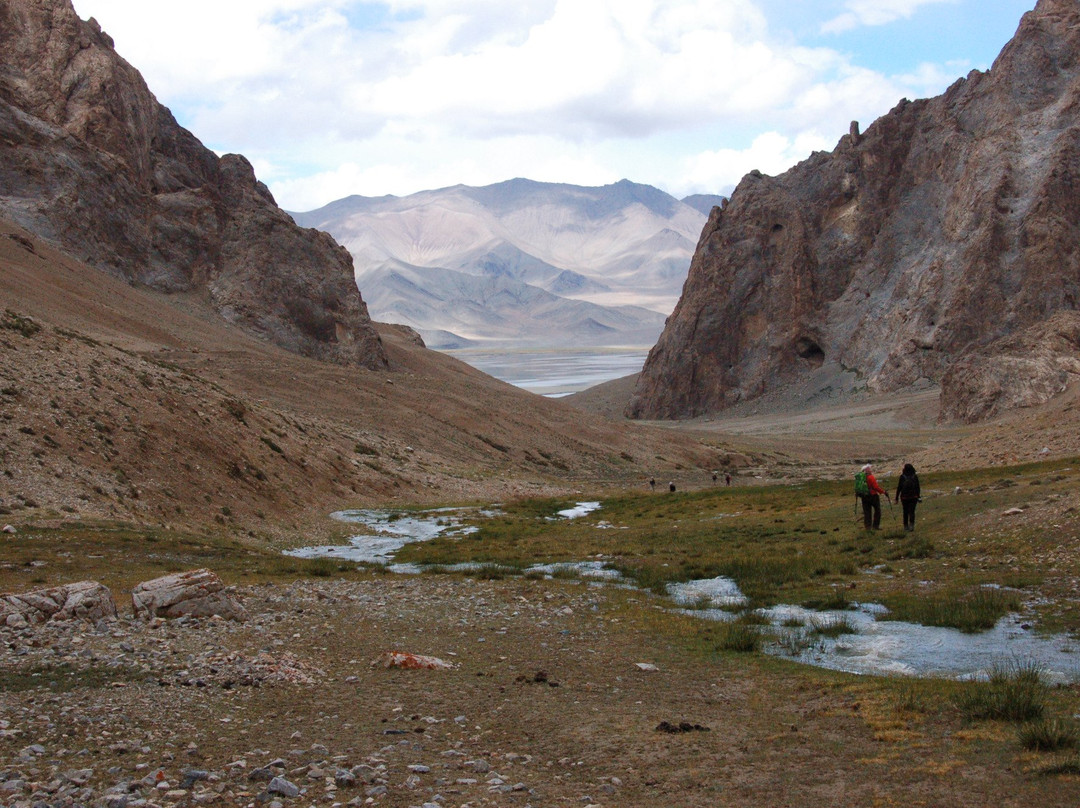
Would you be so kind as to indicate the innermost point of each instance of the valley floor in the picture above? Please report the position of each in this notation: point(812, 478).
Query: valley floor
point(545, 705)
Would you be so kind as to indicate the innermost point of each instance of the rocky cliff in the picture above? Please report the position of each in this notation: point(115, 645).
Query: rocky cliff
point(913, 253)
point(92, 162)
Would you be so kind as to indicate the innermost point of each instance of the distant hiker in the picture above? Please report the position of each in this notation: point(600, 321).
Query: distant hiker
point(868, 490)
point(908, 494)
point(671, 487)
point(714, 478)
point(727, 479)
point(652, 483)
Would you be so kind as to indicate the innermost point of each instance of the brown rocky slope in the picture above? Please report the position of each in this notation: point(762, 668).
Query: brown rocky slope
point(124, 403)
point(91, 162)
point(903, 257)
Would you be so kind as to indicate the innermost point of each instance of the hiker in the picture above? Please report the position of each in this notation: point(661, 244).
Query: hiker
point(652, 483)
point(714, 478)
point(727, 479)
point(868, 490)
point(908, 494)
point(671, 487)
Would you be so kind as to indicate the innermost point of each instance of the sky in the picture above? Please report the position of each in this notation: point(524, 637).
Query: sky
point(329, 98)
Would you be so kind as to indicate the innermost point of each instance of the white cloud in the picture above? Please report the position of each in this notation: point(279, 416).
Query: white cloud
point(874, 12)
point(441, 162)
point(332, 97)
point(770, 153)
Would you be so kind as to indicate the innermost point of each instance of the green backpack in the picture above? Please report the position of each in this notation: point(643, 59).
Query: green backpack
point(862, 488)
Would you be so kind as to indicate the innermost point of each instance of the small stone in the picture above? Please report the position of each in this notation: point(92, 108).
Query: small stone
point(279, 785)
point(192, 776)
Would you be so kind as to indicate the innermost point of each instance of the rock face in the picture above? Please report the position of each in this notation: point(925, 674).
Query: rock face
point(1022, 369)
point(197, 593)
point(911, 254)
point(92, 162)
point(87, 600)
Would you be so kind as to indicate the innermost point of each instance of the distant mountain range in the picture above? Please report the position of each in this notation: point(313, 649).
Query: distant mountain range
point(521, 263)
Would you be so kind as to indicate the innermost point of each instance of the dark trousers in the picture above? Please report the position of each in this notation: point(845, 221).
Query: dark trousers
point(909, 513)
point(871, 511)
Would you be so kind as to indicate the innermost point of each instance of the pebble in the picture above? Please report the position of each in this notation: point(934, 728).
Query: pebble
point(172, 654)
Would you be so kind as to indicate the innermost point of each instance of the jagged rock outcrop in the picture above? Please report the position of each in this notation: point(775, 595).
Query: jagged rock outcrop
point(85, 600)
point(92, 162)
point(196, 593)
point(910, 250)
point(1022, 369)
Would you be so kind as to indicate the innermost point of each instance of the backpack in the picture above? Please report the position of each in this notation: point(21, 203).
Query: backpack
point(907, 487)
point(862, 488)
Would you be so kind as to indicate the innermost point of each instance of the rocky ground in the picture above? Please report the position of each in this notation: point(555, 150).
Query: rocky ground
point(116, 402)
point(545, 704)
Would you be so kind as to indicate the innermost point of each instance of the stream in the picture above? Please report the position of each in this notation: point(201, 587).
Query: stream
point(876, 646)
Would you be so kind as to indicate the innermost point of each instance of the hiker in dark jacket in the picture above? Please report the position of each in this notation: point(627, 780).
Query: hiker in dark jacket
point(907, 494)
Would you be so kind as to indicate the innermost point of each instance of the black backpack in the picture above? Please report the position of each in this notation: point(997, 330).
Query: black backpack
point(907, 487)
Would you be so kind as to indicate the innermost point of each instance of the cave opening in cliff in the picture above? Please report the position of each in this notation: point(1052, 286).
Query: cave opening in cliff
point(809, 350)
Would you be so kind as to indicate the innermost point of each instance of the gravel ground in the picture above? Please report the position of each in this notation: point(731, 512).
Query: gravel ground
point(545, 704)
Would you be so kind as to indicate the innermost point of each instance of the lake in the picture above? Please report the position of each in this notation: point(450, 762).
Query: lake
point(554, 372)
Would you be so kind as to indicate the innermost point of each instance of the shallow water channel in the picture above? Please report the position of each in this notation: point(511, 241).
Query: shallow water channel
point(874, 646)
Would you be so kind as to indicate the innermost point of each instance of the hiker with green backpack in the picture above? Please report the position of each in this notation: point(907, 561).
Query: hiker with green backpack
point(868, 490)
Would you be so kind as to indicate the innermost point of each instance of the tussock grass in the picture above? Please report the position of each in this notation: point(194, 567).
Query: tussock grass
point(1014, 691)
point(909, 697)
point(833, 601)
point(1049, 735)
point(1067, 766)
point(976, 609)
point(833, 628)
point(742, 636)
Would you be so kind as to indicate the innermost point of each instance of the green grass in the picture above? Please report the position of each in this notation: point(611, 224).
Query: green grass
point(781, 544)
point(972, 610)
point(833, 628)
point(804, 544)
point(741, 636)
point(1014, 691)
point(1049, 735)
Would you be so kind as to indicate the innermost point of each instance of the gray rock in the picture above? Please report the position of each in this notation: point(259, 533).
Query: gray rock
point(344, 778)
point(86, 600)
point(196, 593)
point(279, 785)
